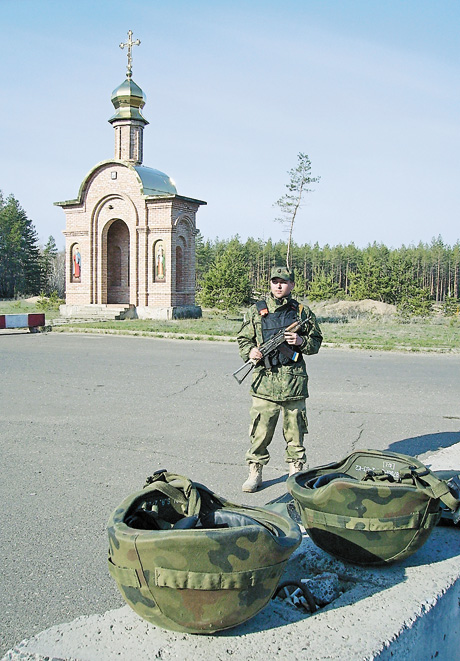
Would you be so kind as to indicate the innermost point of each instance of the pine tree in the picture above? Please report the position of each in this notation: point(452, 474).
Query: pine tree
point(227, 285)
point(373, 278)
point(20, 268)
point(323, 287)
point(299, 180)
point(52, 265)
point(204, 251)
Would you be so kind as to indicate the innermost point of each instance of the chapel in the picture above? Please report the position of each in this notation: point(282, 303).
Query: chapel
point(130, 236)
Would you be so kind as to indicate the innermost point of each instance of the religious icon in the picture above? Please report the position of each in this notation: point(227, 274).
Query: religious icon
point(160, 262)
point(76, 263)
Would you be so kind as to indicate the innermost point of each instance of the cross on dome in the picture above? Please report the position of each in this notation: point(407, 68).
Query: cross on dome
point(129, 45)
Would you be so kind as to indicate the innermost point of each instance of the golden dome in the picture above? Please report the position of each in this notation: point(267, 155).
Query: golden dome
point(128, 99)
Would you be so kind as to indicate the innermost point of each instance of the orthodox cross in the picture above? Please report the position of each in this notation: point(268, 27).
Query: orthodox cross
point(129, 45)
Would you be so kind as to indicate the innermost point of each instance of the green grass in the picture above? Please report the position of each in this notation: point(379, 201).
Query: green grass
point(211, 324)
point(22, 306)
point(390, 334)
point(371, 333)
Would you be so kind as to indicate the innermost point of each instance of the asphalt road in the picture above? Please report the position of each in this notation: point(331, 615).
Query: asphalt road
point(85, 419)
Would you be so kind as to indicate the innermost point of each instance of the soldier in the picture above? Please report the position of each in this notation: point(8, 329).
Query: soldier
point(282, 382)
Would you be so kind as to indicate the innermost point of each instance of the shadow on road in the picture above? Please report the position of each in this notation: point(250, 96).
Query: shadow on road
point(275, 480)
point(426, 443)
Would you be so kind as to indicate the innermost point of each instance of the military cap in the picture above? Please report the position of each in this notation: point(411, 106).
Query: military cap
point(281, 272)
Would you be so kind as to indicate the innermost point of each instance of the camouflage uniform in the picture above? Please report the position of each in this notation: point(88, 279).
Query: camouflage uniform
point(280, 388)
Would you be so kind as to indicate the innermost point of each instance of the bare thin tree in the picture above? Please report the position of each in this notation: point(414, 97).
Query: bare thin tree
point(299, 181)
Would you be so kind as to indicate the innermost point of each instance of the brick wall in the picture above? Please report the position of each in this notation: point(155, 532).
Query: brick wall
point(113, 214)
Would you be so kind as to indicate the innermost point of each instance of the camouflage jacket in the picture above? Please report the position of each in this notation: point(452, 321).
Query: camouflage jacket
point(282, 382)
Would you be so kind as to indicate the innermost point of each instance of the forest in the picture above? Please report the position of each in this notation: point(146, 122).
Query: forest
point(415, 276)
point(230, 273)
point(26, 268)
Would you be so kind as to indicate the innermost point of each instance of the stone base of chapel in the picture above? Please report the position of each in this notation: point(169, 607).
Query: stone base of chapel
point(176, 312)
point(112, 311)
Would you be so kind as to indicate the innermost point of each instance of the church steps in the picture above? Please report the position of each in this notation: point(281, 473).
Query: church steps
point(83, 313)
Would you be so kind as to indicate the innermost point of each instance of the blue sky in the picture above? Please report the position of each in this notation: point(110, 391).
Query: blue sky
point(369, 89)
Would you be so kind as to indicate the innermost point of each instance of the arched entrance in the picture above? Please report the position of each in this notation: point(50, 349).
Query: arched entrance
point(118, 263)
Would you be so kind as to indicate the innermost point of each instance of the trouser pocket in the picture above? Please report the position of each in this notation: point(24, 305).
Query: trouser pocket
point(303, 422)
point(254, 424)
point(264, 416)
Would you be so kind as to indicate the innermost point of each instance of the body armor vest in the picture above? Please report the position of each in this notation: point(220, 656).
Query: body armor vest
point(274, 322)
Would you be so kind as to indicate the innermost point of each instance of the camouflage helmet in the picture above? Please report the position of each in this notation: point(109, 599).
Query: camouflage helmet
point(372, 507)
point(187, 560)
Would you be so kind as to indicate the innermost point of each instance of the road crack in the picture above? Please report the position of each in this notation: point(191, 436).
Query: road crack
point(189, 385)
point(357, 439)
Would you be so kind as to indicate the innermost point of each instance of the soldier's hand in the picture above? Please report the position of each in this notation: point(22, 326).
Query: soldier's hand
point(255, 354)
point(293, 338)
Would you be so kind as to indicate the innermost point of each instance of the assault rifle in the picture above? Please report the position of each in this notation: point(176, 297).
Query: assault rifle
point(268, 347)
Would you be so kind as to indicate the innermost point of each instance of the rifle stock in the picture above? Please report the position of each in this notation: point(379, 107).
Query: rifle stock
point(243, 371)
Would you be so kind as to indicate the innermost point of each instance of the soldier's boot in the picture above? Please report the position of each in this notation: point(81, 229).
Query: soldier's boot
point(254, 480)
point(295, 467)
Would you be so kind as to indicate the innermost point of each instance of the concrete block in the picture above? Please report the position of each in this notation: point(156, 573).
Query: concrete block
point(407, 611)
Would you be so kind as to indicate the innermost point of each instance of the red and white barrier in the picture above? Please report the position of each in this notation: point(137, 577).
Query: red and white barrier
point(21, 320)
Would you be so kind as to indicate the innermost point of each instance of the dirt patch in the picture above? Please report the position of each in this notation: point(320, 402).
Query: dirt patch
point(352, 308)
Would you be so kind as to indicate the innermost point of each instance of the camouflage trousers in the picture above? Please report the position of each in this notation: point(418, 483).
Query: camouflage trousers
point(264, 416)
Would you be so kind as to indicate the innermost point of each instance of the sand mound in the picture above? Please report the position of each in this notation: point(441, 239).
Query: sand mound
point(352, 308)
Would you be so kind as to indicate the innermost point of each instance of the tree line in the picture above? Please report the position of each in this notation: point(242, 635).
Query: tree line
point(412, 276)
point(26, 268)
point(231, 273)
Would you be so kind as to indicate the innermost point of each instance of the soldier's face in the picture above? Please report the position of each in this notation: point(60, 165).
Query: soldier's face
point(281, 288)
